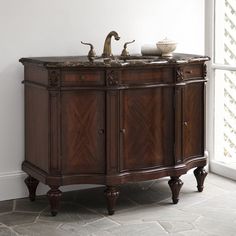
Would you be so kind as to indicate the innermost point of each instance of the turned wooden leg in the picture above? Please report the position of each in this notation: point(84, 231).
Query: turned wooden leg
point(200, 175)
point(54, 195)
point(111, 193)
point(175, 184)
point(32, 185)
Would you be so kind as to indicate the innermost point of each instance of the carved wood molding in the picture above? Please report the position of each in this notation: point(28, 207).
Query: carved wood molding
point(112, 78)
point(175, 184)
point(54, 78)
point(111, 193)
point(179, 73)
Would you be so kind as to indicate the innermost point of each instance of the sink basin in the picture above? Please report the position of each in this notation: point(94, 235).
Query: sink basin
point(139, 59)
point(134, 59)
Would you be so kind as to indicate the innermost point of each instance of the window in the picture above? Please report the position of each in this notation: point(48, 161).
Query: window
point(223, 76)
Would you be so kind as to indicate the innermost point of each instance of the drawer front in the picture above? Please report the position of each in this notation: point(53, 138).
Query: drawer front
point(82, 78)
point(137, 76)
point(189, 72)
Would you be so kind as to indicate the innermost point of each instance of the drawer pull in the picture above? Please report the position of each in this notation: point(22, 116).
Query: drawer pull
point(189, 72)
point(82, 78)
point(185, 123)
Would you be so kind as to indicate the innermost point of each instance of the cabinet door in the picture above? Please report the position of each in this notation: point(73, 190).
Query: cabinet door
point(146, 128)
point(193, 120)
point(83, 132)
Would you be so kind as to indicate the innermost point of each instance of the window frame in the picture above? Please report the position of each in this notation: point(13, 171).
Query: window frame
point(214, 165)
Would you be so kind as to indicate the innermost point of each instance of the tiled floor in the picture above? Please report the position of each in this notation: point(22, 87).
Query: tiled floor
point(143, 209)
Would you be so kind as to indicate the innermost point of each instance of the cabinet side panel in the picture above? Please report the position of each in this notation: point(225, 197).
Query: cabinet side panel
point(193, 120)
point(83, 132)
point(147, 118)
point(36, 74)
point(36, 126)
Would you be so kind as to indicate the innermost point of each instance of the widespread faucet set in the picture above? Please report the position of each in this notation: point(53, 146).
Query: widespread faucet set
point(107, 47)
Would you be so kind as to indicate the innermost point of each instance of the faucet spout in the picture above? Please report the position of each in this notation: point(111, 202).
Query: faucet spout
point(107, 44)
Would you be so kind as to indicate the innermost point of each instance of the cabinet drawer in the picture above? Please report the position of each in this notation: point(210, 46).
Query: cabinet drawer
point(82, 78)
point(134, 76)
point(189, 72)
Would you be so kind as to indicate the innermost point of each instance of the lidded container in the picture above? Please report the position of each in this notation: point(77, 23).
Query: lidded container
point(166, 46)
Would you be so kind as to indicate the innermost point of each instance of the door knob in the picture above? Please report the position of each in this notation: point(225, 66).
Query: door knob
point(122, 131)
point(185, 123)
point(101, 131)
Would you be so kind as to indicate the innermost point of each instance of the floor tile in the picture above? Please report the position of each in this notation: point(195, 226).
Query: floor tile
point(223, 183)
point(146, 193)
point(97, 227)
point(154, 212)
point(17, 218)
point(26, 205)
point(70, 212)
point(143, 208)
point(216, 227)
point(6, 206)
point(141, 229)
point(4, 231)
point(194, 232)
point(176, 226)
point(40, 228)
point(95, 199)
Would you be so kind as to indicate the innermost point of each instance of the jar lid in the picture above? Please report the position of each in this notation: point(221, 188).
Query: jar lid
point(166, 41)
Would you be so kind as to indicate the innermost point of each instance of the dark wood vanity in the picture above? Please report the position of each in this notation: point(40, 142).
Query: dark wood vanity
point(113, 122)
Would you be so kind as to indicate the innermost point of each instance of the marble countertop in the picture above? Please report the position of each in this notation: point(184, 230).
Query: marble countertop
point(116, 61)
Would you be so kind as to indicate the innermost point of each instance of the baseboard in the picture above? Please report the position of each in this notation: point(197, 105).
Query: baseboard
point(12, 186)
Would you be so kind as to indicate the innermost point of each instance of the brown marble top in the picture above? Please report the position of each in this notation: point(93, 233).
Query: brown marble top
point(116, 61)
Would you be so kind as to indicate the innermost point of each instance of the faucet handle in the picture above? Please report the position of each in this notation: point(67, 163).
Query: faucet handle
point(91, 53)
point(124, 51)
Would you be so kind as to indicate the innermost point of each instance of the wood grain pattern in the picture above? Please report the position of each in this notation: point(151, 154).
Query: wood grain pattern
point(157, 75)
point(37, 127)
point(200, 175)
point(147, 122)
point(83, 78)
point(112, 132)
point(186, 72)
point(32, 185)
point(88, 124)
point(36, 74)
point(83, 132)
point(193, 120)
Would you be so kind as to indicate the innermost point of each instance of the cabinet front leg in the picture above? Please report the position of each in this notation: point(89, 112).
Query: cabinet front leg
point(200, 175)
point(54, 195)
point(32, 185)
point(175, 184)
point(111, 193)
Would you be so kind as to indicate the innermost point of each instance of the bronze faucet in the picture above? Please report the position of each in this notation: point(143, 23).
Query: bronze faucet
point(107, 44)
point(91, 53)
point(125, 53)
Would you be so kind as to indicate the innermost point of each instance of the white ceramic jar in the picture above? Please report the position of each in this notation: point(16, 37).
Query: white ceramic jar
point(166, 47)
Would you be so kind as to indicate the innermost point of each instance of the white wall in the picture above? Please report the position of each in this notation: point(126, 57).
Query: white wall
point(56, 27)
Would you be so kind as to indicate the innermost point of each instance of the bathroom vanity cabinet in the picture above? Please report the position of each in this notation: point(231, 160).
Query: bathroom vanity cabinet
point(113, 122)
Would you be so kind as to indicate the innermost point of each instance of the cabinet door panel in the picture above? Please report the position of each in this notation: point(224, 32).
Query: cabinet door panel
point(83, 132)
point(146, 128)
point(193, 120)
